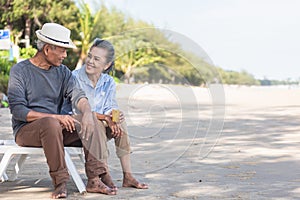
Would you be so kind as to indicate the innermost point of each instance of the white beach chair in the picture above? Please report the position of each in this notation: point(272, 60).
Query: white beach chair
point(9, 148)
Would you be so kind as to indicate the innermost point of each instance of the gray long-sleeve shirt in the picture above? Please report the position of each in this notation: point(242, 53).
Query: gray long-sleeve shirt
point(33, 88)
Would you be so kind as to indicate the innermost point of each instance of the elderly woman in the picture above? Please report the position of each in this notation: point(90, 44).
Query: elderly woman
point(100, 89)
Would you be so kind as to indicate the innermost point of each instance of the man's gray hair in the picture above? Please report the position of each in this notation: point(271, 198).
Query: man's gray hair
point(40, 45)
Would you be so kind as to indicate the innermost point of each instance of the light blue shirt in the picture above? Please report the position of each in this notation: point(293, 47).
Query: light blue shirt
point(102, 98)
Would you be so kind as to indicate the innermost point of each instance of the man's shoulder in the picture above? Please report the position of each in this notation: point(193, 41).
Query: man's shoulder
point(63, 69)
point(22, 63)
point(20, 66)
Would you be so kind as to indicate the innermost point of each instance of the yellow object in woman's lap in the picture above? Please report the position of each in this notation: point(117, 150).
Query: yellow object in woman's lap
point(115, 116)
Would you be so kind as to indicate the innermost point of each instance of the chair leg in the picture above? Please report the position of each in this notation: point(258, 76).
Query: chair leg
point(4, 163)
point(18, 167)
point(82, 158)
point(4, 177)
point(24, 153)
point(72, 169)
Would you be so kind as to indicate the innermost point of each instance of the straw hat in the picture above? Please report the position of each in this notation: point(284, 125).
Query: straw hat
point(55, 34)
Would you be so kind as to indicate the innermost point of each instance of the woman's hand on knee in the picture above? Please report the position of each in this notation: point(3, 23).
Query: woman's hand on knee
point(117, 130)
point(122, 117)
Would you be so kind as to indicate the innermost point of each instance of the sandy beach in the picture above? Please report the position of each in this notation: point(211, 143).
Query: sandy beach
point(235, 142)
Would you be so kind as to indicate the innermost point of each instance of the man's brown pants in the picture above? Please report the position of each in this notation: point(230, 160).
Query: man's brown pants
point(48, 133)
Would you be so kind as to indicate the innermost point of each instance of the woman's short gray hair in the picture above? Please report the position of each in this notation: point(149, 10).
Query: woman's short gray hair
point(110, 52)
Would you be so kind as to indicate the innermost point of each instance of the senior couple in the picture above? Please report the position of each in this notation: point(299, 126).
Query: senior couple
point(42, 92)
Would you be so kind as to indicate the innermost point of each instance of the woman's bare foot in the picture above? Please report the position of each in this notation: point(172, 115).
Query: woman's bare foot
point(130, 181)
point(107, 180)
point(95, 185)
point(60, 191)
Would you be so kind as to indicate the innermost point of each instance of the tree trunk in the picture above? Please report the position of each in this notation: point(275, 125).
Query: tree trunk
point(81, 59)
point(128, 74)
point(79, 63)
point(27, 32)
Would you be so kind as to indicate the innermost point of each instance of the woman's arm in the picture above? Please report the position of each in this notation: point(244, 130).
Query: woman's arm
point(115, 127)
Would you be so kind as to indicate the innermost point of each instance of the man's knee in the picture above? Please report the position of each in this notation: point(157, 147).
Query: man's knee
point(50, 126)
point(50, 122)
point(100, 125)
point(101, 130)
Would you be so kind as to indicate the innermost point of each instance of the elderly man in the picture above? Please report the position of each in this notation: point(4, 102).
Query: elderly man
point(36, 91)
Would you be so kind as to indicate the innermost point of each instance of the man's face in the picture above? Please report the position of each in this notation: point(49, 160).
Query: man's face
point(56, 55)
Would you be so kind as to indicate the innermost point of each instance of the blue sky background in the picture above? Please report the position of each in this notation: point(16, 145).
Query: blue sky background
point(259, 36)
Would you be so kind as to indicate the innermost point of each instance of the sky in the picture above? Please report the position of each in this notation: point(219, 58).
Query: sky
point(259, 36)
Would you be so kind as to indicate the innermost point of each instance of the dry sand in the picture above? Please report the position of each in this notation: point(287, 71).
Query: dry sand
point(180, 151)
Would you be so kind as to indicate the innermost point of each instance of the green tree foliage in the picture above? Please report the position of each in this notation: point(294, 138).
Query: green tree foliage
point(110, 22)
point(24, 17)
point(237, 78)
point(5, 66)
point(268, 82)
point(143, 46)
point(27, 52)
point(88, 26)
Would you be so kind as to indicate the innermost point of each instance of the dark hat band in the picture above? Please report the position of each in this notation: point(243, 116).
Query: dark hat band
point(53, 39)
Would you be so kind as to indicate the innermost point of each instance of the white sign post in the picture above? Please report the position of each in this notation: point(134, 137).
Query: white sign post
point(5, 40)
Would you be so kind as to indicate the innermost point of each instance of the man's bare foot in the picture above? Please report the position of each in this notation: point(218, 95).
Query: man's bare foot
point(107, 180)
point(95, 185)
point(60, 191)
point(130, 181)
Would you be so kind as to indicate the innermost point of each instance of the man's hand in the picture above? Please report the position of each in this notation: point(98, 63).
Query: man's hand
point(87, 125)
point(67, 122)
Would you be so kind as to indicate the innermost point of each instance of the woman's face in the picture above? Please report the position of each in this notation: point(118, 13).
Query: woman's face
point(96, 61)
